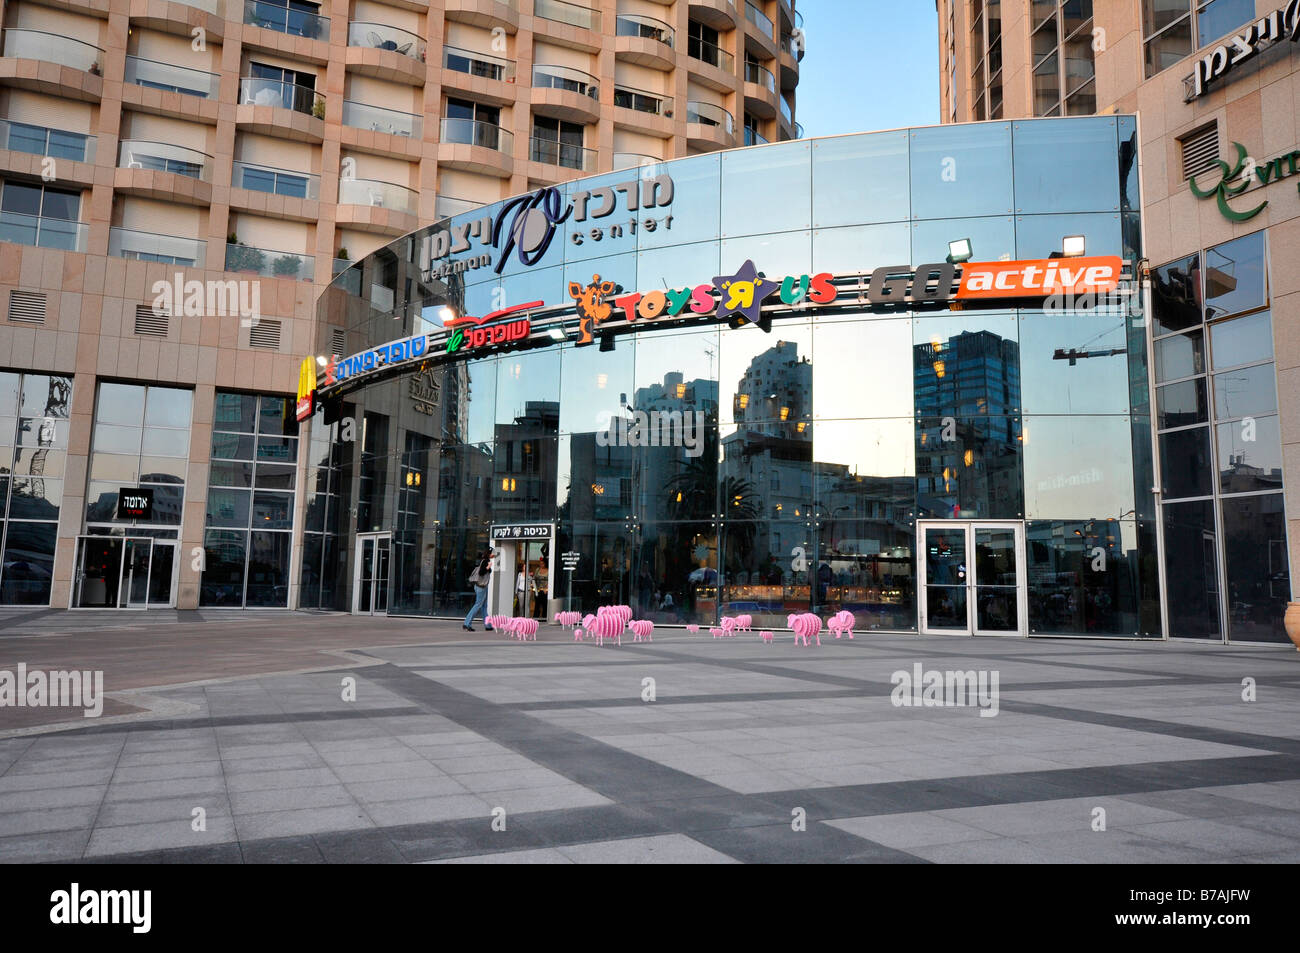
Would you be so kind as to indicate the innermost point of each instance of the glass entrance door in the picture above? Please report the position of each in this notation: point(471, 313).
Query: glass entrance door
point(114, 572)
point(370, 588)
point(974, 578)
point(137, 554)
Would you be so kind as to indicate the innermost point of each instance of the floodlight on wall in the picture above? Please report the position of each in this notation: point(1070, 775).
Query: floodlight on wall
point(447, 313)
point(557, 334)
point(323, 362)
point(959, 251)
point(1073, 246)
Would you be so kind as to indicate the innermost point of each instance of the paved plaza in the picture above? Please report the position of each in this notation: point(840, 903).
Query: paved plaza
point(1099, 752)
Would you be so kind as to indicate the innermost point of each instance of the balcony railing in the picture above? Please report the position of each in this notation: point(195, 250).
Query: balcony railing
point(785, 109)
point(270, 264)
point(758, 18)
point(570, 13)
point(255, 91)
point(260, 178)
point(475, 132)
point(753, 137)
point(164, 157)
point(378, 119)
point(633, 160)
point(382, 37)
point(706, 52)
point(42, 231)
point(629, 24)
point(378, 194)
point(643, 102)
point(755, 73)
point(53, 48)
point(798, 19)
point(478, 64)
point(798, 130)
point(707, 114)
point(211, 6)
point(171, 79)
point(567, 155)
point(279, 17)
point(41, 141)
point(564, 77)
point(445, 206)
point(149, 246)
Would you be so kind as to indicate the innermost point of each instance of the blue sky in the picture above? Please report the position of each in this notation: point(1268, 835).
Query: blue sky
point(870, 64)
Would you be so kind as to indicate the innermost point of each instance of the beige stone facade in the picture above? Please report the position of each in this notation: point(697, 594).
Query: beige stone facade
point(302, 136)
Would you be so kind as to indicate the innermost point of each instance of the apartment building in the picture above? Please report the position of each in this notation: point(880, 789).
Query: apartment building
point(178, 182)
point(1214, 85)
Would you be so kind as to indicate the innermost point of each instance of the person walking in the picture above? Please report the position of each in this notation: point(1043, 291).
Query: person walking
point(479, 579)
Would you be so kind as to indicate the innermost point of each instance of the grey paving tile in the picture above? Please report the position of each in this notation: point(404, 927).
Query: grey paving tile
point(906, 831)
point(285, 780)
point(310, 821)
point(133, 838)
point(543, 855)
point(161, 810)
point(44, 820)
point(405, 789)
point(43, 847)
point(662, 849)
point(422, 810)
point(88, 794)
point(290, 799)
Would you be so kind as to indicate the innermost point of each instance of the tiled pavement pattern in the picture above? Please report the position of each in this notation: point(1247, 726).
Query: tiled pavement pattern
point(741, 735)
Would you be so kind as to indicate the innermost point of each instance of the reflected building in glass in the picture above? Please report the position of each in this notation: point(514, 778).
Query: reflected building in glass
point(984, 470)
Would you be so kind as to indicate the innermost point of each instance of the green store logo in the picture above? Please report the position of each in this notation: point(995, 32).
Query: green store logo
point(1237, 178)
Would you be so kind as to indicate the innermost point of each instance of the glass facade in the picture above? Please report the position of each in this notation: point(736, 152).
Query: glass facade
point(252, 491)
point(820, 443)
point(1226, 561)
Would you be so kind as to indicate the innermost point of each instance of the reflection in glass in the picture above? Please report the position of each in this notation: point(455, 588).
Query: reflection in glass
point(1191, 569)
point(1082, 577)
point(1185, 462)
point(992, 239)
point(1080, 152)
point(857, 372)
point(783, 170)
point(867, 567)
point(1250, 455)
point(855, 179)
point(948, 161)
point(1247, 390)
point(1176, 295)
point(1257, 565)
point(1245, 340)
point(1073, 363)
point(946, 570)
point(1083, 469)
point(1183, 404)
point(759, 575)
point(1236, 276)
point(1039, 236)
point(1178, 356)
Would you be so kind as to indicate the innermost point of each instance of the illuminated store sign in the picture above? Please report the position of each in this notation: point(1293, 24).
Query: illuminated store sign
point(526, 226)
point(1279, 25)
point(747, 297)
point(1237, 179)
point(306, 389)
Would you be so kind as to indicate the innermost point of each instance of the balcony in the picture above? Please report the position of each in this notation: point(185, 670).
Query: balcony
point(565, 93)
point(564, 155)
point(634, 160)
point(446, 206)
point(644, 41)
point(41, 141)
point(392, 122)
point(164, 157)
point(484, 13)
point(378, 194)
point(709, 127)
point(43, 231)
point(753, 137)
point(719, 14)
point(247, 260)
point(760, 75)
point(169, 78)
point(786, 113)
point(271, 16)
point(149, 246)
point(54, 48)
point(255, 91)
point(718, 66)
point(761, 20)
point(476, 146)
point(260, 178)
point(570, 13)
point(478, 64)
point(640, 101)
point(390, 38)
point(760, 91)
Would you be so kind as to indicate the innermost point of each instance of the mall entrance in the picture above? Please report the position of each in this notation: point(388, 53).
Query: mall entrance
point(522, 579)
point(370, 574)
point(124, 572)
point(974, 580)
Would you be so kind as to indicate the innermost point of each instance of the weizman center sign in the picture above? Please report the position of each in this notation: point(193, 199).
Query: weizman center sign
point(1282, 24)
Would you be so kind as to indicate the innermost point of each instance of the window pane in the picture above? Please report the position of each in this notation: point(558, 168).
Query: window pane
point(275, 477)
point(232, 447)
point(34, 498)
point(230, 474)
point(1242, 341)
point(121, 404)
point(23, 199)
point(61, 205)
point(784, 170)
point(1235, 277)
point(1259, 579)
point(168, 407)
point(9, 384)
point(1180, 405)
point(855, 180)
point(1176, 295)
point(1249, 390)
point(1082, 153)
point(276, 416)
point(1182, 355)
point(45, 396)
point(277, 449)
point(234, 412)
point(268, 569)
point(1077, 469)
point(1250, 455)
point(961, 171)
point(1056, 376)
point(1191, 569)
point(1185, 463)
point(228, 507)
point(165, 443)
point(1047, 86)
point(1223, 16)
point(223, 568)
point(1158, 14)
point(272, 510)
point(28, 563)
point(1169, 47)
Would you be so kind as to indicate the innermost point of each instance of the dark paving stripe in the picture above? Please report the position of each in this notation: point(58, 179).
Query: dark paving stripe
point(226, 721)
point(746, 827)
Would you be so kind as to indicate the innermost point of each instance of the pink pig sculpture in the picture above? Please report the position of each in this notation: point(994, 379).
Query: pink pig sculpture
point(805, 625)
point(745, 623)
point(766, 636)
point(692, 628)
point(842, 623)
point(605, 626)
point(642, 629)
point(524, 629)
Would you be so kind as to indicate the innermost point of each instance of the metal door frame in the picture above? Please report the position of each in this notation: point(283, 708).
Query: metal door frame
point(357, 572)
point(968, 529)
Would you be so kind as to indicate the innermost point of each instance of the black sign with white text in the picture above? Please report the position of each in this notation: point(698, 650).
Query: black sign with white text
point(522, 531)
point(135, 504)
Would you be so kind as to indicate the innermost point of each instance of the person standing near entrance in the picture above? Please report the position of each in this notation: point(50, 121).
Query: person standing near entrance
point(479, 579)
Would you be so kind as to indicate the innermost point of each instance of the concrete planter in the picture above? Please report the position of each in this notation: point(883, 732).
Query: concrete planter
point(1291, 621)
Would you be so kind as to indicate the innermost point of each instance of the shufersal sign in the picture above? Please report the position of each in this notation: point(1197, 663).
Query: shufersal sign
point(526, 226)
point(1281, 24)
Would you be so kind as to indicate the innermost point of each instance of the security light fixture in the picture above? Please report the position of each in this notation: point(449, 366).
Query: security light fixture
point(1073, 246)
point(959, 251)
point(557, 334)
point(447, 313)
